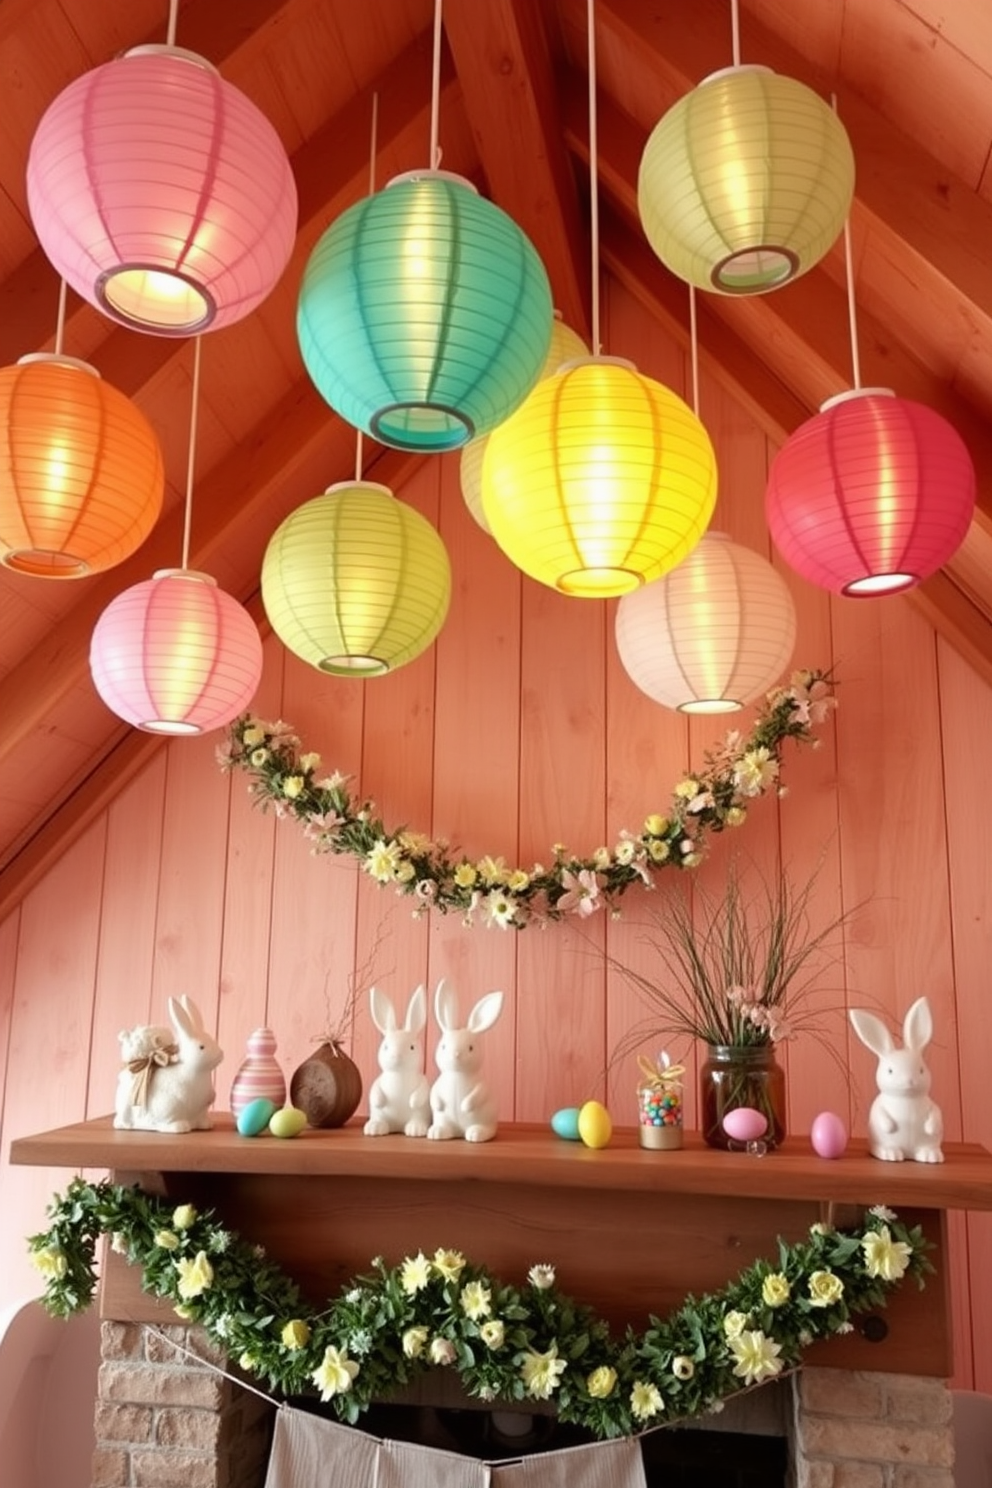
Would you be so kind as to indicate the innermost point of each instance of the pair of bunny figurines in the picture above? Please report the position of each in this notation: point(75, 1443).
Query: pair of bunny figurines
point(459, 1102)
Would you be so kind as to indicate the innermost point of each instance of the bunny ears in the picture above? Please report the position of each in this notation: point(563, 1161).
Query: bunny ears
point(917, 1029)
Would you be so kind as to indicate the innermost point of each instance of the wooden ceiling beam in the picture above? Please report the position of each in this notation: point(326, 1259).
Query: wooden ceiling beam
point(505, 68)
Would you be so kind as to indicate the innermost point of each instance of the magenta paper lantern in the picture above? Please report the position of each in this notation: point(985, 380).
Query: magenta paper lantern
point(176, 655)
point(161, 194)
point(870, 496)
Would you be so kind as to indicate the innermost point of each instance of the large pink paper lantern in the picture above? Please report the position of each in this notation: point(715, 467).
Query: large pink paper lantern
point(176, 655)
point(161, 194)
point(871, 495)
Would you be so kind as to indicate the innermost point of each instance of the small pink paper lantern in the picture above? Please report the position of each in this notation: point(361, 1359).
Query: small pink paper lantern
point(871, 495)
point(176, 655)
point(161, 194)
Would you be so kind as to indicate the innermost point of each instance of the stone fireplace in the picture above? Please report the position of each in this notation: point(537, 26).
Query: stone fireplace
point(869, 1411)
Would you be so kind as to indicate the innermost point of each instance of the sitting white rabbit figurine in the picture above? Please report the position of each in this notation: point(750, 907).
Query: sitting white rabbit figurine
point(168, 1087)
point(399, 1100)
point(903, 1121)
point(460, 1098)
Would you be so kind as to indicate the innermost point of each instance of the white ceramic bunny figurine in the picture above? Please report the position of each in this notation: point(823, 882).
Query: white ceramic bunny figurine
point(460, 1099)
point(168, 1088)
point(399, 1100)
point(903, 1121)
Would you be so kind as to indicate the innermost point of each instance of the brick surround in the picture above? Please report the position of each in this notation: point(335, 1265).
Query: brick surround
point(165, 1421)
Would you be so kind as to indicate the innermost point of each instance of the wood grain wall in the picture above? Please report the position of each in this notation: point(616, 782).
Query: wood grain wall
point(520, 729)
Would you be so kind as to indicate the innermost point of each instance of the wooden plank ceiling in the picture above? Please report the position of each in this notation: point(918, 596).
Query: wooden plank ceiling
point(913, 81)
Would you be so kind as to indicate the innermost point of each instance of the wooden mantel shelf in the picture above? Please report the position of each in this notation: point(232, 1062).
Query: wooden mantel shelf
point(528, 1155)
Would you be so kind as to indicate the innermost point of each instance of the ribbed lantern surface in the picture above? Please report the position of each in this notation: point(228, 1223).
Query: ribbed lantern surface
point(356, 582)
point(746, 182)
point(161, 194)
point(81, 472)
point(711, 636)
point(425, 314)
point(871, 495)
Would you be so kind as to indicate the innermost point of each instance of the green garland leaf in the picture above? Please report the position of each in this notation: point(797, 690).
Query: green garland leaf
point(507, 1342)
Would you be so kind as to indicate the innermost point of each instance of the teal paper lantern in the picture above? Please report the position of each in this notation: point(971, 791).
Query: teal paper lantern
point(425, 314)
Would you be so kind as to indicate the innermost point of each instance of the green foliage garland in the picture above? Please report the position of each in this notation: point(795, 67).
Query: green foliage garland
point(507, 1343)
point(736, 772)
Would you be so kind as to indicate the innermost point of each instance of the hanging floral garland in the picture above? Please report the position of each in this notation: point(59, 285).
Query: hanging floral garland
point(739, 770)
point(507, 1343)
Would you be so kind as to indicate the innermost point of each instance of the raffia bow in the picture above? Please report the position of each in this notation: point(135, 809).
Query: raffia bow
point(659, 1076)
point(142, 1070)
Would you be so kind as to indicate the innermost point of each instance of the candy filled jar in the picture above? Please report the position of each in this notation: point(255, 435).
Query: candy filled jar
point(659, 1103)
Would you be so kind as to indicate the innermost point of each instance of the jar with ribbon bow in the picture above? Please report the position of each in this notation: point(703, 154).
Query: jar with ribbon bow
point(659, 1102)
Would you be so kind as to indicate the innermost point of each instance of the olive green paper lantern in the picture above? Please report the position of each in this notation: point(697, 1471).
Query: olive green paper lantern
point(356, 582)
point(746, 182)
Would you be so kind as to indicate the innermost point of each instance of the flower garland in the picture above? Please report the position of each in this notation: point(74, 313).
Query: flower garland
point(507, 1343)
point(718, 796)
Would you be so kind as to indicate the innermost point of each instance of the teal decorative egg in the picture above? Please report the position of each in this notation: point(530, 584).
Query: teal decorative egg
point(565, 1123)
point(255, 1116)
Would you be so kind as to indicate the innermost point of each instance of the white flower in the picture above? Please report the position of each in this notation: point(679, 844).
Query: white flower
point(443, 1351)
point(415, 1273)
point(881, 1212)
point(475, 1300)
point(542, 1277)
point(414, 1342)
point(682, 1367)
point(645, 1401)
point(541, 1373)
point(334, 1374)
point(757, 1356)
point(884, 1256)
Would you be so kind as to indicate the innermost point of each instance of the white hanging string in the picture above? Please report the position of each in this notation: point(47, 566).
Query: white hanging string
point(60, 322)
point(852, 314)
point(373, 148)
point(435, 155)
point(170, 35)
point(694, 349)
point(593, 176)
point(191, 456)
point(735, 27)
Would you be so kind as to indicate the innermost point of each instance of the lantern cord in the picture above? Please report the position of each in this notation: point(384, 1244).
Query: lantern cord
point(435, 156)
point(694, 349)
point(191, 457)
point(60, 323)
point(373, 149)
point(735, 25)
point(170, 35)
point(852, 314)
point(593, 177)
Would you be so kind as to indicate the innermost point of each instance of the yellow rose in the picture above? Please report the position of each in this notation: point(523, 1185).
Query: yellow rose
point(184, 1216)
point(195, 1275)
point(658, 851)
point(736, 816)
point(775, 1290)
point(414, 1340)
point(655, 825)
point(295, 1334)
point(166, 1240)
point(493, 1333)
point(252, 735)
point(600, 1383)
point(825, 1289)
point(734, 1324)
point(50, 1262)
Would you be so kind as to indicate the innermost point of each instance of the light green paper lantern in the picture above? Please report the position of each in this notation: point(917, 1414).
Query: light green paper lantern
point(746, 182)
point(424, 314)
point(356, 582)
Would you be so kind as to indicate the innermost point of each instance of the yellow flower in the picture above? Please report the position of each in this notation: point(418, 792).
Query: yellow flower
point(775, 1290)
point(167, 1240)
point(252, 735)
point(601, 859)
point(293, 786)
point(449, 1263)
point(246, 1361)
point(259, 757)
point(295, 1334)
point(755, 771)
point(884, 1256)
point(757, 1356)
point(383, 860)
point(658, 851)
point(682, 1367)
point(309, 761)
point(736, 816)
point(415, 1273)
point(414, 1340)
point(655, 825)
point(518, 880)
point(493, 1333)
point(825, 1289)
point(184, 1312)
point(601, 1382)
point(475, 1300)
point(334, 1374)
point(686, 789)
point(493, 871)
point(51, 1262)
point(195, 1275)
point(645, 1401)
point(465, 875)
point(184, 1216)
point(541, 1373)
point(405, 872)
point(734, 1324)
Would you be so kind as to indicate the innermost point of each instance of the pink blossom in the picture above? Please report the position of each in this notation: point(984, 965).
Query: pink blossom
point(581, 895)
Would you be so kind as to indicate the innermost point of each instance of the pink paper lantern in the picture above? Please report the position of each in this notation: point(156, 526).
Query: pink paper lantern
point(161, 194)
point(176, 655)
point(870, 496)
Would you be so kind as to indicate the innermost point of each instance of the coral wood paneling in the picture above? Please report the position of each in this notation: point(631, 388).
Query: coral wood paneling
point(518, 730)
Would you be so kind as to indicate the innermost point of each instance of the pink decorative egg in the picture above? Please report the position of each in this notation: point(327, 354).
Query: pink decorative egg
point(828, 1134)
point(745, 1124)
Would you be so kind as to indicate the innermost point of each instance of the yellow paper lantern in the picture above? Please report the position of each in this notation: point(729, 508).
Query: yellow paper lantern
point(746, 182)
point(356, 582)
point(711, 636)
point(566, 346)
point(601, 481)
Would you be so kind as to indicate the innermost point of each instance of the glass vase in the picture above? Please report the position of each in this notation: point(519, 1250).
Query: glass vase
point(741, 1075)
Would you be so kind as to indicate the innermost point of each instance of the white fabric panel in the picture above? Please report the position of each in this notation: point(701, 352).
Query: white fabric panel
point(406, 1465)
point(612, 1464)
point(309, 1452)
